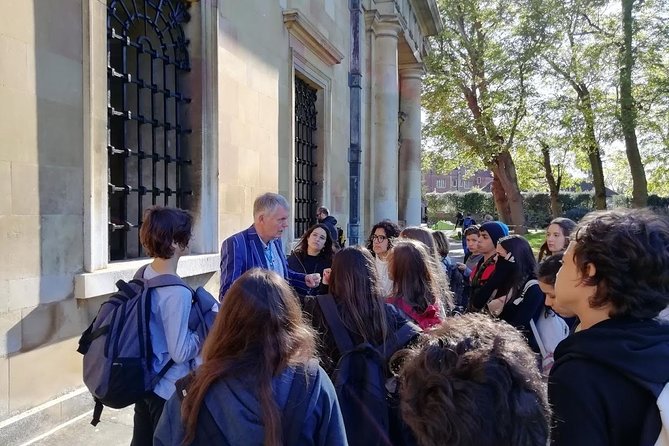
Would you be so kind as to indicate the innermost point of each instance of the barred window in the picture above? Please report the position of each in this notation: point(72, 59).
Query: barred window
point(305, 160)
point(149, 159)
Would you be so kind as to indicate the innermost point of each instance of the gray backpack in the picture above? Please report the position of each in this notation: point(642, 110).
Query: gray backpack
point(117, 345)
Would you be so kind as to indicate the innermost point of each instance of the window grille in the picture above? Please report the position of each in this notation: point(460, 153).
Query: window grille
point(147, 151)
point(305, 147)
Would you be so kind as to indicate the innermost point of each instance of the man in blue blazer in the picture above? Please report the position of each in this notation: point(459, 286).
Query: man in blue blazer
point(260, 245)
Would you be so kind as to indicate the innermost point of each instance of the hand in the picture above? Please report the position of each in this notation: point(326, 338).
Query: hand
point(326, 276)
point(461, 266)
point(312, 280)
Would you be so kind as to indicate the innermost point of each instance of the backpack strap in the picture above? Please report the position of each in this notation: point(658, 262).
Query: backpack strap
point(339, 331)
point(139, 274)
point(529, 284)
point(298, 400)
point(398, 340)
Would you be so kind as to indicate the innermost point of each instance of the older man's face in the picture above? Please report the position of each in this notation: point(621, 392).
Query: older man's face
point(270, 225)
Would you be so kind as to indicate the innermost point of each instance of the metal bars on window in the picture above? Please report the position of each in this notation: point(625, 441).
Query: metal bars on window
point(305, 129)
point(147, 154)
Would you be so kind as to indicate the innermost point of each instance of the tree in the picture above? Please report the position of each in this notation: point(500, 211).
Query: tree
point(475, 90)
point(628, 110)
point(578, 59)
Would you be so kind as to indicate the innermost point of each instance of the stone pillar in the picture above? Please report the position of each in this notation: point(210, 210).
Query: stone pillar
point(410, 144)
point(385, 90)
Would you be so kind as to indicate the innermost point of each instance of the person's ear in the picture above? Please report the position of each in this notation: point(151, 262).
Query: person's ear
point(591, 270)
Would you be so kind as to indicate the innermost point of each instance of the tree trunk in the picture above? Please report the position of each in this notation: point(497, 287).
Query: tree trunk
point(628, 110)
point(553, 186)
point(504, 169)
point(592, 147)
point(501, 201)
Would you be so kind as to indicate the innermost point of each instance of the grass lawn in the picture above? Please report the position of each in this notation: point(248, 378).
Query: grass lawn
point(443, 225)
point(536, 237)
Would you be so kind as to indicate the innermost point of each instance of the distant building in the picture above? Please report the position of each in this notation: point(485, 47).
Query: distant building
point(459, 180)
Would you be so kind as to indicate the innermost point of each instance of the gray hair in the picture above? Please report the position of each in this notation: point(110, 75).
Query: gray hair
point(268, 202)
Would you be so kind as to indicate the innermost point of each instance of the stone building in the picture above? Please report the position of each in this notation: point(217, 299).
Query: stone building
point(109, 106)
point(457, 180)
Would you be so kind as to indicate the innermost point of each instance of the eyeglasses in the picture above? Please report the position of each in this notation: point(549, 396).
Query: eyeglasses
point(379, 238)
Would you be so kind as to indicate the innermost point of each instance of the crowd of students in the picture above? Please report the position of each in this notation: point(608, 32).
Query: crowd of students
point(460, 364)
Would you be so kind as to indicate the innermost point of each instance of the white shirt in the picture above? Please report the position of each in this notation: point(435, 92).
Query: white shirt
point(385, 283)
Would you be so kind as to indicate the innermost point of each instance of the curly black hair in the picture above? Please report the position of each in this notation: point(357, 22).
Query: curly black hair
point(392, 232)
point(629, 249)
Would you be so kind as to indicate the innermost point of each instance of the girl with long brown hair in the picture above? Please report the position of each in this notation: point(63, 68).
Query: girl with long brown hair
point(366, 319)
point(420, 289)
point(258, 346)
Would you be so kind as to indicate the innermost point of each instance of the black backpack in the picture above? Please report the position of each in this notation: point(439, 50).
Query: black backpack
point(365, 390)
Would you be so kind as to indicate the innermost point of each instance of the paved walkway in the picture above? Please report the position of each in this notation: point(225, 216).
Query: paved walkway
point(115, 427)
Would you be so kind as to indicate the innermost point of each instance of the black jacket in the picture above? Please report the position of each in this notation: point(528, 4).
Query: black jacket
point(605, 382)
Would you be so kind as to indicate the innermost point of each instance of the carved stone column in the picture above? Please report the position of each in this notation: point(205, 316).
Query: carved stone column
point(410, 144)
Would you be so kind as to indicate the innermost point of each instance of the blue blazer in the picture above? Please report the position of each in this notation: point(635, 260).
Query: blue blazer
point(243, 251)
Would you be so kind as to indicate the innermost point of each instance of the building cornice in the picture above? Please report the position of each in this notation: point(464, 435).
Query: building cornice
point(304, 31)
point(428, 16)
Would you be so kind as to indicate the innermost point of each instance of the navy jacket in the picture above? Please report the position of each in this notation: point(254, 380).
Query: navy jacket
point(235, 407)
point(243, 251)
point(605, 381)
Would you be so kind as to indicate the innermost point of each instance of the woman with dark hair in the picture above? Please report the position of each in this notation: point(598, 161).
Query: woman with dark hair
point(557, 237)
point(419, 284)
point(259, 351)
point(367, 319)
point(313, 254)
point(380, 242)
point(519, 299)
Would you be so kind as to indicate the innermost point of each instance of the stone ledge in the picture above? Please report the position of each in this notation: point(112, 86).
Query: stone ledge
point(99, 283)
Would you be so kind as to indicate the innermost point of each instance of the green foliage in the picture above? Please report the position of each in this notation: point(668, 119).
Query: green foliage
point(538, 208)
point(622, 201)
point(444, 206)
point(658, 202)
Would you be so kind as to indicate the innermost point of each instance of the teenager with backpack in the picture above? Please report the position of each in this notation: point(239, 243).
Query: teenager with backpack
point(358, 334)
point(518, 300)
point(164, 234)
point(420, 289)
point(608, 385)
point(258, 383)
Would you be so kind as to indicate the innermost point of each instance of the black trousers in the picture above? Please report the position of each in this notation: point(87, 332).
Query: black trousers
point(147, 414)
